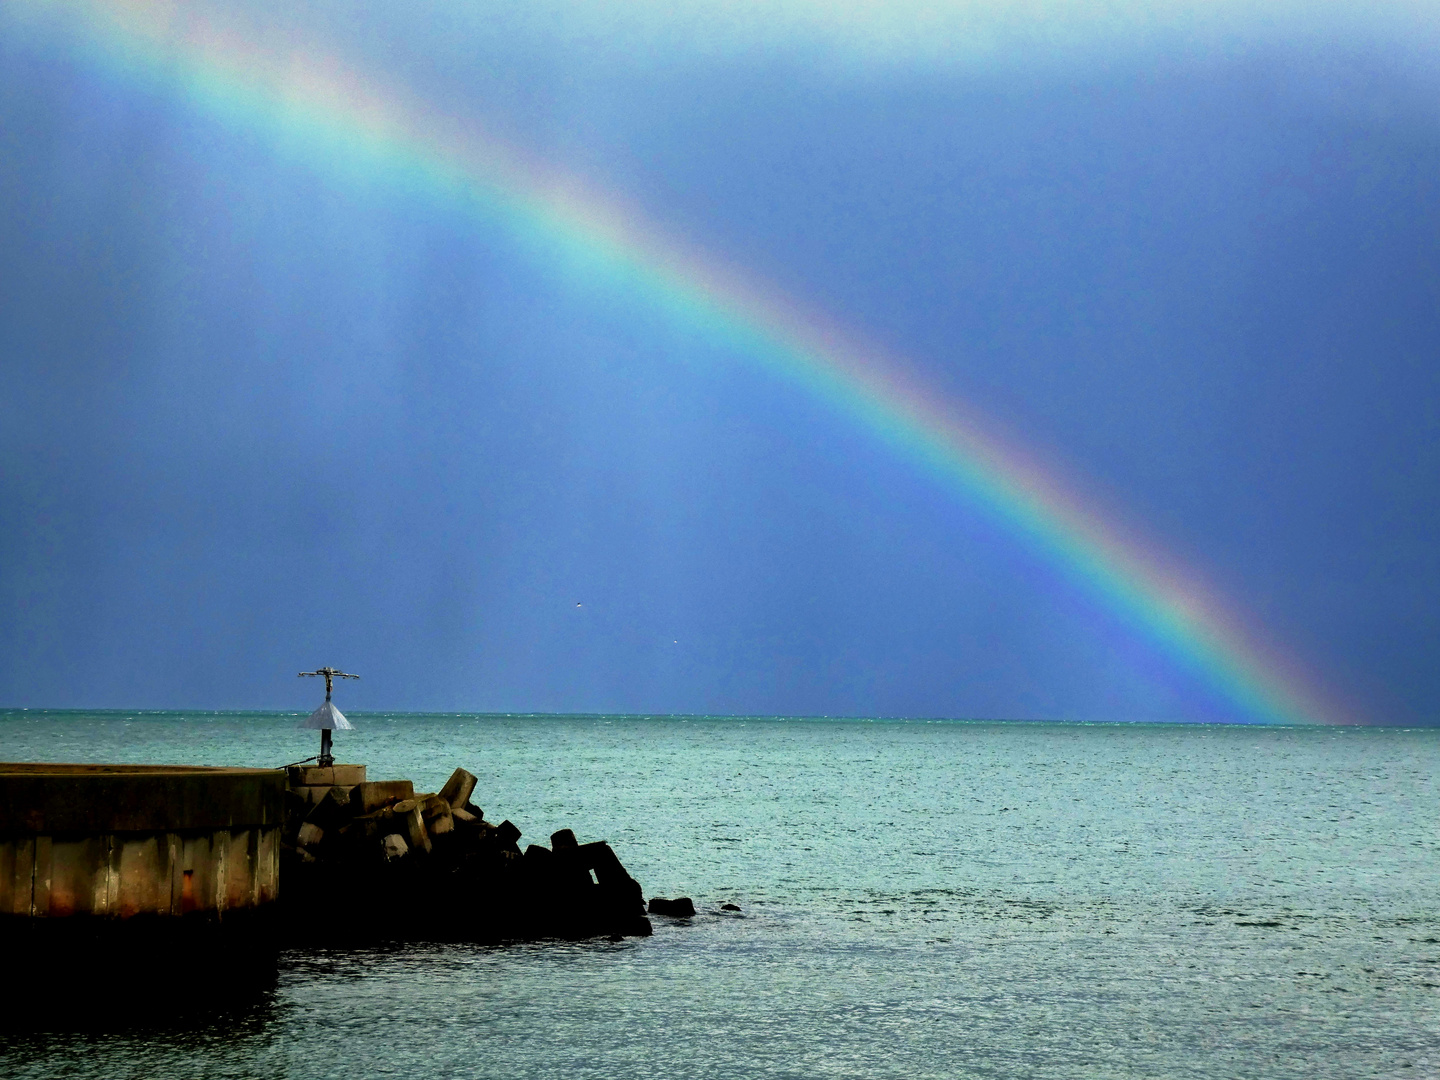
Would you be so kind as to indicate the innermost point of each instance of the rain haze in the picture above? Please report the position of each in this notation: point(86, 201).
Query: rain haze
point(273, 395)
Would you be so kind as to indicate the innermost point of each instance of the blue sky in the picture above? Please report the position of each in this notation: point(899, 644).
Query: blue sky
point(260, 413)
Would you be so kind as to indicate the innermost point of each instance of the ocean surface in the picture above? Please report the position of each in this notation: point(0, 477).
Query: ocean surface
point(918, 899)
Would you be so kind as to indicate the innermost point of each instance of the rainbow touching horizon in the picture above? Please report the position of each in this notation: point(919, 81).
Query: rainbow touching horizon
point(233, 77)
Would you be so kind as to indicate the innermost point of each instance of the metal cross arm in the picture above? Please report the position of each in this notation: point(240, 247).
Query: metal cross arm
point(330, 676)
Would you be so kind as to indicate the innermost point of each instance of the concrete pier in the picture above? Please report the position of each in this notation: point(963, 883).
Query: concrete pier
point(121, 842)
point(164, 860)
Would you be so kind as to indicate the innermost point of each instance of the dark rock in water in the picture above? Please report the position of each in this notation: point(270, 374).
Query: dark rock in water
point(729, 907)
point(563, 840)
point(680, 908)
point(507, 832)
point(599, 858)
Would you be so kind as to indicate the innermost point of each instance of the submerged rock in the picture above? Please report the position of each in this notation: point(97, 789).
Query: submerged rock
point(680, 908)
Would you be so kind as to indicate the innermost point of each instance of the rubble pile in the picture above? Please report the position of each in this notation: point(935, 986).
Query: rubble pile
point(377, 859)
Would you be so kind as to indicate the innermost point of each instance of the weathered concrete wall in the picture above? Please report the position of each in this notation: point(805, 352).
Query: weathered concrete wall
point(126, 840)
point(310, 783)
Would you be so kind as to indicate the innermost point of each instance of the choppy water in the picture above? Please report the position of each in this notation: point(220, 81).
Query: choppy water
point(919, 900)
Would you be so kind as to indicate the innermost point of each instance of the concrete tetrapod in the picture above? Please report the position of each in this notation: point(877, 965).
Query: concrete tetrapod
point(380, 861)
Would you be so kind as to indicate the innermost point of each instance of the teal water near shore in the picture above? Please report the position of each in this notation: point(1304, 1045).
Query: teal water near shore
point(919, 899)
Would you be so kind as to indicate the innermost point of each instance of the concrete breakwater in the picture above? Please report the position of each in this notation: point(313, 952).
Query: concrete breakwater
point(138, 842)
point(377, 859)
point(133, 854)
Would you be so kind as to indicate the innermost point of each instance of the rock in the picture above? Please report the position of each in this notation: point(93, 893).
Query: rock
point(310, 835)
point(414, 826)
point(729, 907)
point(333, 810)
point(569, 875)
point(439, 818)
point(449, 871)
point(367, 798)
point(346, 842)
point(599, 858)
point(394, 847)
point(377, 824)
point(458, 788)
point(439, 824)
point(680, 908)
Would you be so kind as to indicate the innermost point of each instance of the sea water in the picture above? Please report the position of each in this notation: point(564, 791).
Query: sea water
point(917, 899)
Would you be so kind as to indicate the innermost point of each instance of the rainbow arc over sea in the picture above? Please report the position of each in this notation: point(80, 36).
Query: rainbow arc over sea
point(310, 101)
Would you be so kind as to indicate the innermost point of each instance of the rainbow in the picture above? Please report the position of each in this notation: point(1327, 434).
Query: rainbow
point(301, 98)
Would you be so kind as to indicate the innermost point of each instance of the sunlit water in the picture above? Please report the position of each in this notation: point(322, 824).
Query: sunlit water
point(918, 900)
